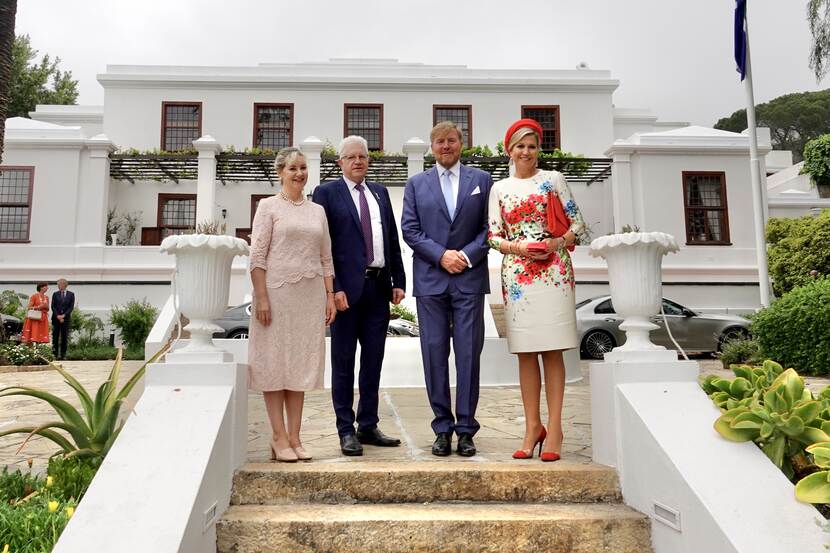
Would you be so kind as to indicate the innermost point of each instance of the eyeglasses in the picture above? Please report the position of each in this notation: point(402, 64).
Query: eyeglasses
point(353, 158)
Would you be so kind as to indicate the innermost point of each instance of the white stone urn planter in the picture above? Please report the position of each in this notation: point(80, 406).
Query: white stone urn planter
point(634, 276)
point(202, 280)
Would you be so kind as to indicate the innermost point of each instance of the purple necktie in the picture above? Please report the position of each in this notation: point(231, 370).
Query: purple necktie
point(366, 226)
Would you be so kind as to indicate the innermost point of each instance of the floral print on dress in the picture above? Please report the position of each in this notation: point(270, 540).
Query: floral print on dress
point(517, 212)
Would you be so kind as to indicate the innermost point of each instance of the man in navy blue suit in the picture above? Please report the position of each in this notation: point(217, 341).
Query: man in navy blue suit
point(63, 302)
point(368, 274)
point(445, 223)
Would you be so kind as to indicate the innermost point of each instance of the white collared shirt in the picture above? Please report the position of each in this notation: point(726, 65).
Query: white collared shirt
point(455, 178)
point(374, 217)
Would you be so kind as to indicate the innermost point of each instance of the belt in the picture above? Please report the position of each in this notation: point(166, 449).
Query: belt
point(372, 272)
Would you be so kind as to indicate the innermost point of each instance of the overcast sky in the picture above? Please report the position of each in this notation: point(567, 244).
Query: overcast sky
point(672, 56)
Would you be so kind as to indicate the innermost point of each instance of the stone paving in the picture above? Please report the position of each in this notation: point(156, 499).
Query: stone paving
point(404, 413)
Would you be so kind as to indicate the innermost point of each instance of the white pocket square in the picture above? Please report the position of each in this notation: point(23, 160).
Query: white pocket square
point(476, 191)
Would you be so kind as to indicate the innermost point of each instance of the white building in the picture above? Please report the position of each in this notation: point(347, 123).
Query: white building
point(59, 177)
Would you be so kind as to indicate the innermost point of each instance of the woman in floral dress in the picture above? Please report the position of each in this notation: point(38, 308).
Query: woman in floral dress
point(538, 286)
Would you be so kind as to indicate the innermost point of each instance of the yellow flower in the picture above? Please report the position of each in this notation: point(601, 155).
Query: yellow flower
point(70, 511)
point(49, 481)
point(53, 506)
point(6, 548)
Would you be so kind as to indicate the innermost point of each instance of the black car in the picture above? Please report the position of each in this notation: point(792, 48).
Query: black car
point(12, 327)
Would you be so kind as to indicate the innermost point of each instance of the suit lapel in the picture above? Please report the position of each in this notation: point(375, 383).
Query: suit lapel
point(346, 198)
point(465, 186)
point(435, 187)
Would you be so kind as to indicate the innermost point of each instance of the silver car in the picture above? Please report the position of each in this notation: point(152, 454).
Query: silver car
point(598, 325)
point(235, 323)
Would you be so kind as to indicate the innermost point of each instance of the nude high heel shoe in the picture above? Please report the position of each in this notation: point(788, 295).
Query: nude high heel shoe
point(286, 455)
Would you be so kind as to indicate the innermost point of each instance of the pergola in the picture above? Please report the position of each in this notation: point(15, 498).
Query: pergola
point(389, 170)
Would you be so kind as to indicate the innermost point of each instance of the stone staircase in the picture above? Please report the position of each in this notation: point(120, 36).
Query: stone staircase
point(430, 506)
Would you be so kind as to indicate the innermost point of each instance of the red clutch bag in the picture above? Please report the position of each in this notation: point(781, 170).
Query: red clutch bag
point(558, 222)
point(537, 247)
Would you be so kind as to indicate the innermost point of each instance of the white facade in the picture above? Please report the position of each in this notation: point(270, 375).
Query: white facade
point(72, 189)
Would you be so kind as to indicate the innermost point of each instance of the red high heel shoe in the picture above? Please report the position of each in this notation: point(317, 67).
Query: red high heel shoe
point(524, 454)
point(548, 456)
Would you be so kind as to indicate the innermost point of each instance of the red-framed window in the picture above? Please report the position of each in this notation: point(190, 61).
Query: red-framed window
point(176, 213)
point(704, 203)
point(548, 117)
point(16, 183)
point(364, 120)
point(181, 124)
point(462, 116)
point(273, 126)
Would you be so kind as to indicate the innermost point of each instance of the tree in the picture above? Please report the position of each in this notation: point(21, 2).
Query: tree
point(799, 250)
point(793, 119)
point(818, 16)
point(8, 9)
point(30, 82)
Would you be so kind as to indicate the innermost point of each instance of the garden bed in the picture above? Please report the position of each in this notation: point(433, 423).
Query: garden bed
point(23, 368)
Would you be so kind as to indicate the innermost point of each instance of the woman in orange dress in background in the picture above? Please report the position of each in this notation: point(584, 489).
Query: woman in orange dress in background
point(37, 330)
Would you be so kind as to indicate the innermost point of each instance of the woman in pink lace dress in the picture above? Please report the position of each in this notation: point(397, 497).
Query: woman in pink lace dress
point(292, 274)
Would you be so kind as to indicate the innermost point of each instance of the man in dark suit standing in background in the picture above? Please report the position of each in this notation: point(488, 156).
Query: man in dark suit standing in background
point(63, 302)
point(445, 223)
point(368, 274)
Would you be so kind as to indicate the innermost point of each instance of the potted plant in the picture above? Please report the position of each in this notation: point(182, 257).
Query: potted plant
point(202, 279)
point(634, 276)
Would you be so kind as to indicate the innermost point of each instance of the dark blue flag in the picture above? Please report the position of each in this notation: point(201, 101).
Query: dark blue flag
point(740, 37)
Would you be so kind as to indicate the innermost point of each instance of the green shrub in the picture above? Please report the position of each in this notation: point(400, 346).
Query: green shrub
point(25, 354)
point(739, 352)
point(134, 321)
point(17, 484)
point(71, 477)
point(34, 510)
point(403, 313)
point(799, 250)
point(795, 329)
point(13, 303)
point(817, 159)
point(84, 327)
point(91, 352)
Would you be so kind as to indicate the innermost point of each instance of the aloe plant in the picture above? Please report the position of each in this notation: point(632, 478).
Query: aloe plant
point(91, 434)
point(782, 419)
point(815, 488)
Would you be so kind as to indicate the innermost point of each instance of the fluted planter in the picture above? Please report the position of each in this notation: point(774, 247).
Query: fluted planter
point(203, 274)
point(634, 276)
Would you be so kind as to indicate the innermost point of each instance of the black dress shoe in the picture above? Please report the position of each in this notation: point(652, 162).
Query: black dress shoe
point(466, 447)
point(350, 446)
point(442, 446)
point(373, 436)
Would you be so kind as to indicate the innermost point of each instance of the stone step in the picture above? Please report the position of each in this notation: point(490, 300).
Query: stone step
point(427, 481)
point(434, 528)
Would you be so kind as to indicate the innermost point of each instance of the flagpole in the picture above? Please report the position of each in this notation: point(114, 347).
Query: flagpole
point(755, 177)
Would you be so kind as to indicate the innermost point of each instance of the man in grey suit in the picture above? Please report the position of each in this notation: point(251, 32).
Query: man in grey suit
point(445, 223)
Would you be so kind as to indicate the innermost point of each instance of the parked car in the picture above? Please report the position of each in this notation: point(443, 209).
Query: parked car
point(236, 319)
point(598, 326)
point(12, 327)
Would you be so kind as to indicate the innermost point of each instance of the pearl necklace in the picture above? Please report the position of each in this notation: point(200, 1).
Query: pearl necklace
point(287, 199)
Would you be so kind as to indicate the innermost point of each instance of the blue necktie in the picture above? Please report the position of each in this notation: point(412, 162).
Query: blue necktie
point(446, 188)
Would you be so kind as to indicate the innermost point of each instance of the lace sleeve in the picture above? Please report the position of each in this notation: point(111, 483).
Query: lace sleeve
point(325, 247)
point(261, 237)
point(496, 231)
